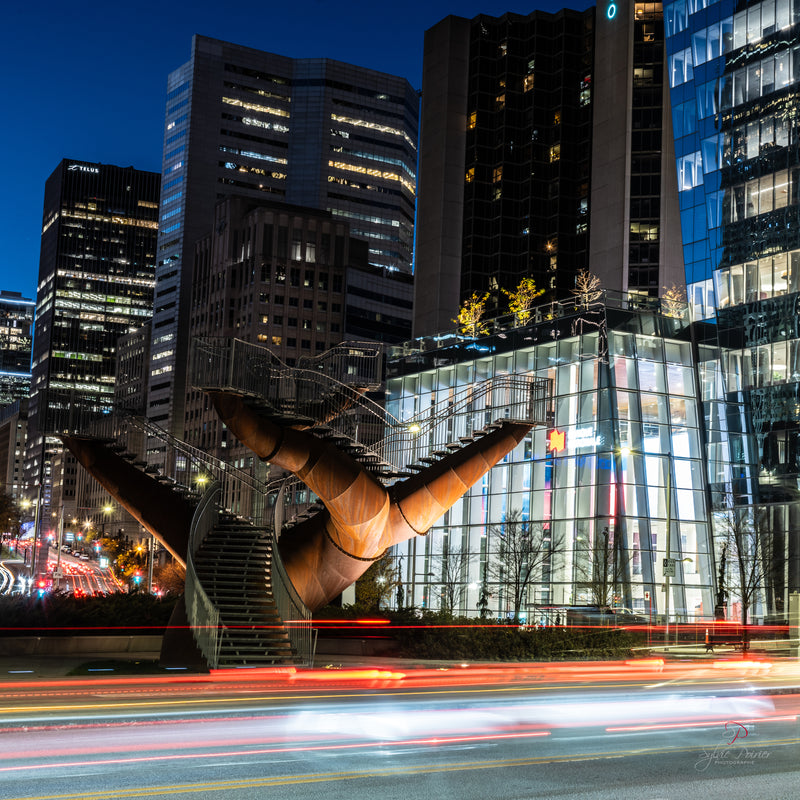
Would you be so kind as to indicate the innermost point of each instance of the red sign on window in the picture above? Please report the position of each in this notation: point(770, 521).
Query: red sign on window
point(556, 441)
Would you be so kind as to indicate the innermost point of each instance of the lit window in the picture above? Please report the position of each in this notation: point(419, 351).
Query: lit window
point(473, 120)
point(555, 153)
point(527, 83)
point(470, 176)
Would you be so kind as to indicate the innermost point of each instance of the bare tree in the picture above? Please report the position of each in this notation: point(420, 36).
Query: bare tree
point(601, 569)
point(522, 556)
point(454, 565)
point(587, 288)
point(746, 542)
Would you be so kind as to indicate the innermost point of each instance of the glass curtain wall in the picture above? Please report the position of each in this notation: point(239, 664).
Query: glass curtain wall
point(620, 466)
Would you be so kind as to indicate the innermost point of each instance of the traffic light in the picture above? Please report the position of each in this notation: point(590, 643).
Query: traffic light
point(137, 577)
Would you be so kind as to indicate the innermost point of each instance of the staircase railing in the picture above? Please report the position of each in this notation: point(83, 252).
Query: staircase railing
point(224, 477)
point(202, 614)
point(252, 370)
point(291, 609)
point(518, 398)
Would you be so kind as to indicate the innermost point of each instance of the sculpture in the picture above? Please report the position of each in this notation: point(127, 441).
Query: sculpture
point(362, 517)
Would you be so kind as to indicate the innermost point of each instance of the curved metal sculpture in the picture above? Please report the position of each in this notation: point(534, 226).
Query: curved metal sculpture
point(361, 520)
point(362, 517)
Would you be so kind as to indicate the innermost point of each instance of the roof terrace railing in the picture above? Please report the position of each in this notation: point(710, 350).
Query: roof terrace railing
point(604, 299)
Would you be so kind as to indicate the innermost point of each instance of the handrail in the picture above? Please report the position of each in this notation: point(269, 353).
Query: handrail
point(290, 390)
point(202, 614)
point(602, 299)
point(291, 609)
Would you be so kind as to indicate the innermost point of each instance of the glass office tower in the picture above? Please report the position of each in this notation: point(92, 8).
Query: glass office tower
point(16, 340)
point(734, 73)
point(96, 277)
point(309, 132)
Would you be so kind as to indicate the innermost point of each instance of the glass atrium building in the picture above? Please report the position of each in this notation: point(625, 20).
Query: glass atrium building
point(620, 464)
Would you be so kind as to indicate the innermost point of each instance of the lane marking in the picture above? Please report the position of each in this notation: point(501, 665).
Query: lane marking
point(389, 772)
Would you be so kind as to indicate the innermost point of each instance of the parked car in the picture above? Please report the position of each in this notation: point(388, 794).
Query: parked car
point(626, 616)
point(603, 615)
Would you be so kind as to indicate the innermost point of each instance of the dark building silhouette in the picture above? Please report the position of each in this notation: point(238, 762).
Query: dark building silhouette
point(541, 156)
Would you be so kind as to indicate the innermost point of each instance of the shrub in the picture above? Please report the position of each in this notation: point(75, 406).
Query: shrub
point(57, 615)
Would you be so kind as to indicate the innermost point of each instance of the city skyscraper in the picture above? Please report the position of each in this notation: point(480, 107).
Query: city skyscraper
point(16, 340)
point(96, 277)
point(734, 74)
point(541, 156)
point(634, 220)
point(310, 132)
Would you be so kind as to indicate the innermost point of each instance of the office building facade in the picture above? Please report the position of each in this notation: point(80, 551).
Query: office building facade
point(16, 341)
point(13, 435)
point(277, 276)
point(542, 156)
point(96, 278)
point(308, 132)
point(734, 72)
point(613, 485)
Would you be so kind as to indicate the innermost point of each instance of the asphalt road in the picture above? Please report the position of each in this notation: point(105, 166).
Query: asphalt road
point(80, 577)
point(714, 730)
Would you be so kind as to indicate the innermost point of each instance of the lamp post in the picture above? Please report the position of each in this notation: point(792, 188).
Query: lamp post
point(57, 571)
point(150, 549)
point(37, 505)
point(107, 509)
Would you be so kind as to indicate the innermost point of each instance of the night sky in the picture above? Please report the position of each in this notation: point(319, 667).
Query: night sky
point(85, 80)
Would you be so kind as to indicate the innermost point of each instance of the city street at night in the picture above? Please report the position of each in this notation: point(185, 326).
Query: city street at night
point(591, 730)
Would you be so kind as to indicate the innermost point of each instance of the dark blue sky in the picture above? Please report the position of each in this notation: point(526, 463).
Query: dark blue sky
point(85, 80)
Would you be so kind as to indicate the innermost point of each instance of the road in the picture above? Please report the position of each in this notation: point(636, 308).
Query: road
point(10, 571)
point(640, 730)
point(82, 577)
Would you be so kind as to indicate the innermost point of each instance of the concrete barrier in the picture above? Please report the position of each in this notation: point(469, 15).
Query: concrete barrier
point(78, 645)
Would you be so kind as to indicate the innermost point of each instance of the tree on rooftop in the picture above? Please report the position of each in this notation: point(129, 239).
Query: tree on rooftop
point(470, 315)
point(673, 301)
point(587, 288)
point(520, 301)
